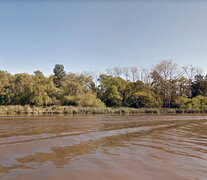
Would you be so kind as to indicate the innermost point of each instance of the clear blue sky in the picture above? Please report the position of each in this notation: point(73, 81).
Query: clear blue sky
point(95, 35)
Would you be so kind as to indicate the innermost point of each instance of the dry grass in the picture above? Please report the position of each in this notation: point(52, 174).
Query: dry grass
point(90, 110)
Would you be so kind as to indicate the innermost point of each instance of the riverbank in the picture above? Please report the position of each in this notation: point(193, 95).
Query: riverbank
point(4, 110)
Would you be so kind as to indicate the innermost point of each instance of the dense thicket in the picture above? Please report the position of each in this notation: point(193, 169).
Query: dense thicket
point(165, 85)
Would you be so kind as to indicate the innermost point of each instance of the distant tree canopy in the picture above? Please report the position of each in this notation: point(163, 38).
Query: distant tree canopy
point(165, 85)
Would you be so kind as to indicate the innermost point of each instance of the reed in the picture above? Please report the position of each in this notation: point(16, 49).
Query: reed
point(91, 110)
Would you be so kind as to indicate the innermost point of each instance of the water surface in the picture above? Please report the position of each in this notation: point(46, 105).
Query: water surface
point(103, 147)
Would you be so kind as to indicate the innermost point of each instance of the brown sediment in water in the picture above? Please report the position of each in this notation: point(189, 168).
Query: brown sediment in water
point(103, 147)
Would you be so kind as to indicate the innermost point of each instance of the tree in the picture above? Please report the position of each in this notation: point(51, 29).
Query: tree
point(145, 76)
point(143, 99)
point(199, 86)
point(164, 79)
point(126, 73)
point(183, 102)
point(134, 72)
point(109, 71)
point(44, 90)
point(190, 72)
point(5, 87)
point(165, 86)
point(111, 97)
point(59, 75)
point(111, 90)
point(117, 71)
point(22, 88)
point(199, 102)
point(75, 84)
point(88, 99)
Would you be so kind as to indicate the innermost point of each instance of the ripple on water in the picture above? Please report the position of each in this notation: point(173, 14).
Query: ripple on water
point(107, 147)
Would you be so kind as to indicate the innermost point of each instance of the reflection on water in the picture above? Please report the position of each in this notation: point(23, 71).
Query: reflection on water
point(103, 147)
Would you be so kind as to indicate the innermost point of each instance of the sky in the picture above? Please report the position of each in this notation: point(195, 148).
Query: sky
point(95, 34)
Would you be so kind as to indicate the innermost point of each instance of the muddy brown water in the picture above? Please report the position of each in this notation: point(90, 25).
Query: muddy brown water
point(103, 147)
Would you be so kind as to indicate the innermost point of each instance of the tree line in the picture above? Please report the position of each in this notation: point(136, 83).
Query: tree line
point(165, 85)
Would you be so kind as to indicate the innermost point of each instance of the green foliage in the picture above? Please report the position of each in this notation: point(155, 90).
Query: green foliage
point(5, 83)
point(111, 96)
point(112, 90)
point(183, 102)
point(199, 86)
point(85, 99)
point(115, 91)
point(198, 102)
point(164, 89)
point(143, 99)
point(75, 84)
point(59, 75)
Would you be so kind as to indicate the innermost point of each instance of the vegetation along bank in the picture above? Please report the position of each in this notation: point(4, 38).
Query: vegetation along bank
point(120, 89)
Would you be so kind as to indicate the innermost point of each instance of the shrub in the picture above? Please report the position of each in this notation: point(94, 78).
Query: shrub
point(88, 99)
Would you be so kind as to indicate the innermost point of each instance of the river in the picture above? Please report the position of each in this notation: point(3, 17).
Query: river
point(103, 147)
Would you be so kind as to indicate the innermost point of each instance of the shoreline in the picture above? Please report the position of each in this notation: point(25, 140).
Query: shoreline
point(33, 110)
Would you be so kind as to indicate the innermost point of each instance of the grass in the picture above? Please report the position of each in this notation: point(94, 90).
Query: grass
point(91, 110)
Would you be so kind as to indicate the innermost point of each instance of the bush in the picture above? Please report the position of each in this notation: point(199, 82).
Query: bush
point(183, 102)
point(143, 99)
point(88, 99)
point(199, 102)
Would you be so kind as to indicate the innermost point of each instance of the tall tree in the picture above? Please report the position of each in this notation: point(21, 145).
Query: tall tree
point(190, 72)
point(59, 75)
point(165, 75)
point(126, 73)
point(5, 90)
point(199, 86)
point(134, 72)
